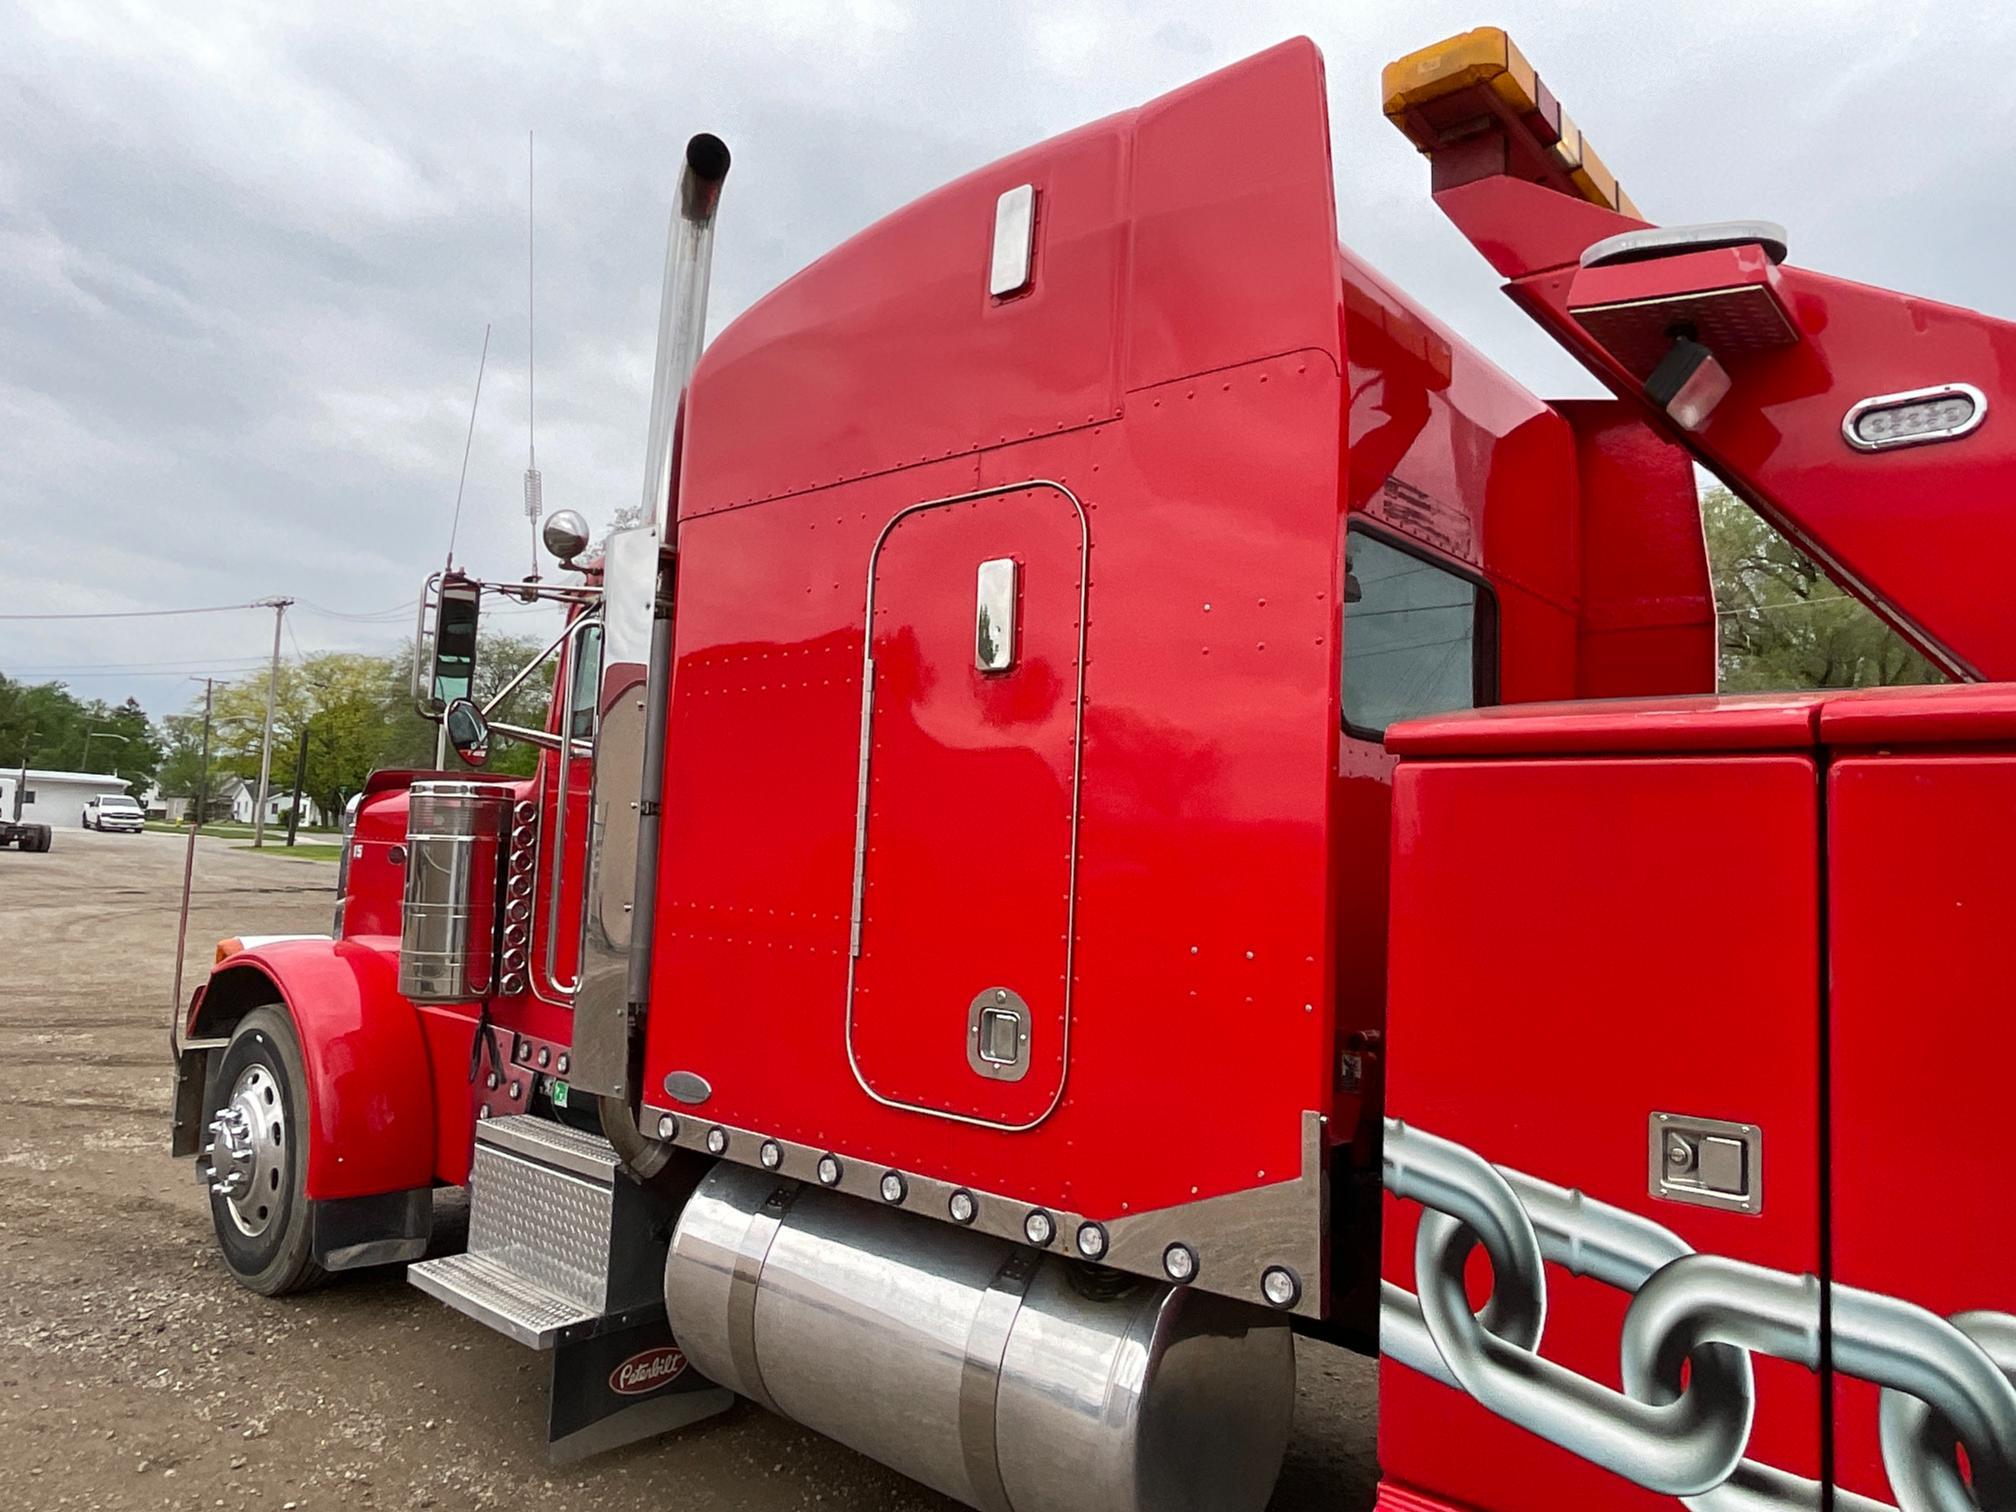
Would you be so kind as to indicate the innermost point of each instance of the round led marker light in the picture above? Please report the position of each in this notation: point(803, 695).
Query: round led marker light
point(1039, 1228)
point(1179, 1263)
point(772, 1155)
point(962, 1207)
point(894, 1189)
point(717, 1141)
point(1914, 417)
point(1091, 1241)
point(1280, 1286)
point(829, 1170)
point(668, 1126)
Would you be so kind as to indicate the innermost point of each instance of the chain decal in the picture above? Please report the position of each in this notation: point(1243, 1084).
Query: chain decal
point(1682, 1423)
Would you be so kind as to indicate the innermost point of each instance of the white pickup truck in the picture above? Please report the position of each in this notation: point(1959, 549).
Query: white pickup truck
point(114, 811)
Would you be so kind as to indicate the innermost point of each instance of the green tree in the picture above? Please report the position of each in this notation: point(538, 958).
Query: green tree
point(356, 714)
point(1784, 622)
point(46, 725)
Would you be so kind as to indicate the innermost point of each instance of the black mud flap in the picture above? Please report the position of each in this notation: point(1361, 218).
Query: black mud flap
point(192, 1083)
point(622, 1386)
point(387, 1229)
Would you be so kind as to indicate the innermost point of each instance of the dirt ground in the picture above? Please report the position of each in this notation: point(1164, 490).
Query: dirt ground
point(135, 1374)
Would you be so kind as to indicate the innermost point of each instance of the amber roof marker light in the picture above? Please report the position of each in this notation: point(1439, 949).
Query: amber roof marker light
point(1475, 108)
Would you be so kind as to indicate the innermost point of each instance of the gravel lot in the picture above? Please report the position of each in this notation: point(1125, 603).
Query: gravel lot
point(135, 1374)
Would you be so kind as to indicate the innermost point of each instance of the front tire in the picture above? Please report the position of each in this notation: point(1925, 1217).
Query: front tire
point(259, 1153)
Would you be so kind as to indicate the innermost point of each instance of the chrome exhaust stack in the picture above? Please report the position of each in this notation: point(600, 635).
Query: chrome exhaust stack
point(1010, 1380)
point(637, 666)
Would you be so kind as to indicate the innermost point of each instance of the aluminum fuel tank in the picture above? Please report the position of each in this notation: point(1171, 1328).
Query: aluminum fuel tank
point(1011, 1380)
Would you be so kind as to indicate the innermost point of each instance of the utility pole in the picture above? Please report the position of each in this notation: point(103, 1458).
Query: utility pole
point(21, 783)
point(197, 805)
point(279, 608)
point(300, 771)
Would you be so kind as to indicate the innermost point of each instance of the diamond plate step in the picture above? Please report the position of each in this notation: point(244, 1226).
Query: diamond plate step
point(554, 1144)
point(491, 1292)
point(559, 1238)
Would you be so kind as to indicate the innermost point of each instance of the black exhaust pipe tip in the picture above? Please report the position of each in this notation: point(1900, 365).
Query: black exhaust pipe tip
point(707, 156)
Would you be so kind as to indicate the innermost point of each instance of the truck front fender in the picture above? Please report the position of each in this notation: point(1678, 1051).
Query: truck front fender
point(370, 1091)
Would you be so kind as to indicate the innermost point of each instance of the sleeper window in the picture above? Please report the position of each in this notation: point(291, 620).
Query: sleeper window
point(1417, 637)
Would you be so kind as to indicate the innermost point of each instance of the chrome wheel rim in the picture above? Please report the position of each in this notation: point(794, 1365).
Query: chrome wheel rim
point(248, 1152)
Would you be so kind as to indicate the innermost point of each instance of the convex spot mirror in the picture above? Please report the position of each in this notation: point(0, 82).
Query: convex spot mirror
point(455, 642)
point(468, 731)
point(566, 535)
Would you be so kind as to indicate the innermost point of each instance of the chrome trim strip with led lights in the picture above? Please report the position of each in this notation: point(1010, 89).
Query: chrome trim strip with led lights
point(1850, 423)
point(1229, 1243)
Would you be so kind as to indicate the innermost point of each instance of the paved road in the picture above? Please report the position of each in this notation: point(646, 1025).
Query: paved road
point(135, 1374)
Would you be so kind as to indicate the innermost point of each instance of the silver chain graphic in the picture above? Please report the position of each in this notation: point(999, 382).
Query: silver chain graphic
point(1682, 1423)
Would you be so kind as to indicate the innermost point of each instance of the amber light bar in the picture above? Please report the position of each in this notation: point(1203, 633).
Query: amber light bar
point(1475, 108)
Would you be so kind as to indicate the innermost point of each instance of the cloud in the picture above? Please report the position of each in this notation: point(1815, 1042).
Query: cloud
point(251, 250)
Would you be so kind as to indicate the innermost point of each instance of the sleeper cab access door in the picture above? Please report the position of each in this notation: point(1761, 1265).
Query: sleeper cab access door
point(959, 982)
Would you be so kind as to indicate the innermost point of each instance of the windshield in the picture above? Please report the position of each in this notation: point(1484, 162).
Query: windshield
point(118, 803)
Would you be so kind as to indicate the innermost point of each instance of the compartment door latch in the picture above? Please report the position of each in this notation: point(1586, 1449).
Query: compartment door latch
point(1707, 1161)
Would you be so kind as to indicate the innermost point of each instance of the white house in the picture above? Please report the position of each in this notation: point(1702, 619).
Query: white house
point(57, 799)
point(243, 797)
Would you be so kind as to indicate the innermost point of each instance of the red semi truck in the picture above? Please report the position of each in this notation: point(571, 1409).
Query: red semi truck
point(1132, 798)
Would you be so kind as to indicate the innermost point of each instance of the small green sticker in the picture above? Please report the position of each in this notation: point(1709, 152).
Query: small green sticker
point(558, 1092)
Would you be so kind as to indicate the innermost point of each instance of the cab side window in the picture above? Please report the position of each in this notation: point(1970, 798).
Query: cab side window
point(586, 672)
point(1418, 638)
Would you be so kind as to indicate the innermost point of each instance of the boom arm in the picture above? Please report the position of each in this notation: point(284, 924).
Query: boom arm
point(1865, 424)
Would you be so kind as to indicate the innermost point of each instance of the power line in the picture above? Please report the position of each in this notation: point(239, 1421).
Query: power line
point(134, 613)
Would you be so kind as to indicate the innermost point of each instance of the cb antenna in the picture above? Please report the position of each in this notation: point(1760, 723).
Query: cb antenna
point(534, 503)
point(467, 442)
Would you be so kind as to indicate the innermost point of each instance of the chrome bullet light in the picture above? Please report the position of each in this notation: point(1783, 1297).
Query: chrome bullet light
point(962, 1207)
point(772, 1155)
point(1280, 1286)
point(1039, 1228)
point(894, 1188)
point(717, 1141)
point(668, 1126)
point(1091, 1241)
point(829, 1170)
point(1179, 1264)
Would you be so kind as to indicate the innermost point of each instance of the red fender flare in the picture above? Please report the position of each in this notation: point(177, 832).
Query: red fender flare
point(370, 1091)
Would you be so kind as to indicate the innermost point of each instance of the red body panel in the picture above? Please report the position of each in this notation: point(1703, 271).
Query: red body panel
point(1563, 966)
point(1922, 1036)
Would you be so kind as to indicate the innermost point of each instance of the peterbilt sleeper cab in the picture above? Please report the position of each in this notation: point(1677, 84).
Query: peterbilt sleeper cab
point(1131, 799)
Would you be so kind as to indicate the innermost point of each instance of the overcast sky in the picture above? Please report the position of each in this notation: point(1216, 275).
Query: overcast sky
point(246, 260)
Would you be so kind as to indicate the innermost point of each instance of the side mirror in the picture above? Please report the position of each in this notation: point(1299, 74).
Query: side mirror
point(455, 642)
point(468, 732)
point(566, 535)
